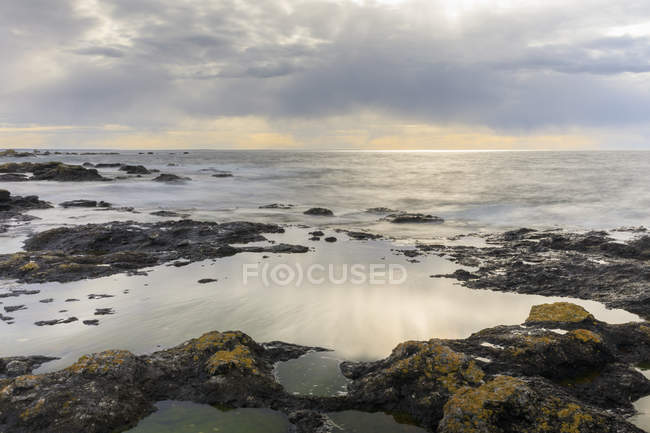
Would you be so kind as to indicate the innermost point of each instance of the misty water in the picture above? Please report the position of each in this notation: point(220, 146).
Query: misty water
point(473, 191)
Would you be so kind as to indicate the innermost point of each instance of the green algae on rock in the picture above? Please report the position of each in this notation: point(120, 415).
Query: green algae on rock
point(558, 312)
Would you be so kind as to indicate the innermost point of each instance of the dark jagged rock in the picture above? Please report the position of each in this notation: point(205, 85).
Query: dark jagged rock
point(109, 165)
point(55, 321)
point(206, 280)
point(19, 365)
point(95, 250)
point(330, 239)
point(551, 263)
point(319, 211)
point(94, 296)
point(222, 174)
point(91, 322)
point(104, 311)
point(166, 177)
point(318, 233)
point(361, 236)
point(413, 218)
point(135, 169)
point(12, 308)
point(56, 171)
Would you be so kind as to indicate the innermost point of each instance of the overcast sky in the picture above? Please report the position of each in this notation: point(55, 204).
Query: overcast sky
point(439, 74)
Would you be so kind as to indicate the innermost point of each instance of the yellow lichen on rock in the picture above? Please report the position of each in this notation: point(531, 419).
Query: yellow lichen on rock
point(33, 410)
point(29, 267)
point(239, 358)
point(558, 312)
point(215, 341)
point(573, 419)
point(437, 362)
point(469, 409)
point(100, 363)
point(585, 336)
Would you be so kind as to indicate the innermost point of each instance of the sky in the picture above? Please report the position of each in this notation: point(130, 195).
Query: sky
point(335, 74)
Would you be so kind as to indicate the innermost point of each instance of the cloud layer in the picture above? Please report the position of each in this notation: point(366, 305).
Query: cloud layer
point(514, 67)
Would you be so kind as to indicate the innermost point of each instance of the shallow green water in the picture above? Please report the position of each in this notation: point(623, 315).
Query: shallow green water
point(316, 373)
point(186, 417)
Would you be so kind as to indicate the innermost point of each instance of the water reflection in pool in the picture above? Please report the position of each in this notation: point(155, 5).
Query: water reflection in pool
point(186, 417)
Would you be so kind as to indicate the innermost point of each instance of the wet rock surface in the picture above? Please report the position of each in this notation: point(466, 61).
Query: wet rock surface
point(554, 263)
point(561, 371)
point(56, 171)
point(95, 250)
point(19, 365)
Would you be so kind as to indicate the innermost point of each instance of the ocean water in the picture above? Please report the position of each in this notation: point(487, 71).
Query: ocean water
point(472, 191)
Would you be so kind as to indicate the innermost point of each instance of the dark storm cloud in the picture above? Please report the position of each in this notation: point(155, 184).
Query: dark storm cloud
point(145, 63)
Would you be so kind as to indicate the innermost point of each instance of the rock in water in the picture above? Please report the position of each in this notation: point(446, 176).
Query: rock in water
point(56, 171)
point(135, 169)
point(414, 218)
point(166, 177)
point(319, 211)
point(79, 203)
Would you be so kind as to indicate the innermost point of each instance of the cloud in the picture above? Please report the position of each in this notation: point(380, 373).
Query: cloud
point(100, 51)
point(524, 67)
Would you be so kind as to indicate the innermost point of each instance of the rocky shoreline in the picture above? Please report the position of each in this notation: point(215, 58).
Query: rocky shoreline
point(562, 370)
